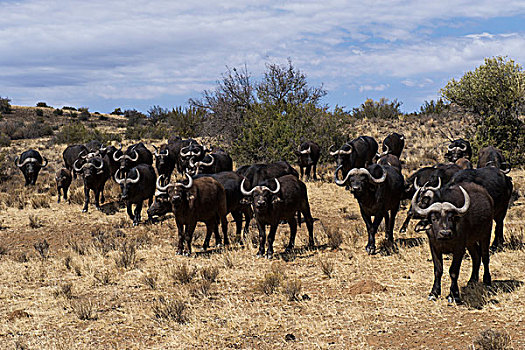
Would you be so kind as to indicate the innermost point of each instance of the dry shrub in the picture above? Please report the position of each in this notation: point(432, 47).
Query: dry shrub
point(334, 235)
point(104, 277)
point(292, 289)
point(42, 248)
point(201, 288)
point(40, 202)
point(3, 249)
point(67, 262)
point(327, 266)
point(271, 280)
point(229, 260)
point(77, 246)
point(183, 274)
point(103, 242)
point(35, 222)
point(21, 201)
point(127, 255)
point(475, 296)
point(65, 290)
point(176, 310)
point(150, 280)
point(84, 308)
point(515, 241)
point(491, 339)
point(76, 195)
point(210, 273)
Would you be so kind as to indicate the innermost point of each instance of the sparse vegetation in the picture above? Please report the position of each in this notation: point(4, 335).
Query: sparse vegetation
point(175, 310)
point(327, 266)
point(182, 273)
point(83, 308)
point(42, 248)
point(75, 133)
point(292, 289)
point(127, 255)
point(382, 109)
point(5, 106)
point(491, 339)
point(150, 280)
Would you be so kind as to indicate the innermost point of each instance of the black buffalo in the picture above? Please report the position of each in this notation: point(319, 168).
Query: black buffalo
point(358, 153)
point(393, 144)
point(211, 163)
point(135, 154)
point(257, 173)
point(63, 179)
point(459, 148)
point(137, 186)
point(308, 155)
point(499, 186)
point(491, 156)
point(192, 152)
point(70, 156)
point(271, 206)
point(30, 162)
point(166, 157)
point(460, 217)
point(378, 190)
point(95, 173)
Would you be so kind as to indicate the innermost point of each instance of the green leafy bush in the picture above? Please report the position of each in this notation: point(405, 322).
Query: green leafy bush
point(17, 130)
point(382, 109)
point(42, 104)
point(5, 107)
point(434, 107)
point(58, 112)
point(39, 112)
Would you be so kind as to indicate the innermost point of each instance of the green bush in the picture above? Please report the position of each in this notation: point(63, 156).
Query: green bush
point(42, 104)
point(39, 112)
point(5, 140)
point(495, 93)
point(5, 107)
point(382, 109)
point(17, 130)
point(84, 115)
point(434, 107)
point(69, 108)
point(78, 133)
point(58, 112)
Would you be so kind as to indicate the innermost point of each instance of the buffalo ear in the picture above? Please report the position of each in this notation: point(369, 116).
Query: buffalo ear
point(191, 199)
point(276, 199)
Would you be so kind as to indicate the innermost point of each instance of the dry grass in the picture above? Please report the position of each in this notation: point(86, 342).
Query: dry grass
point(370, 302)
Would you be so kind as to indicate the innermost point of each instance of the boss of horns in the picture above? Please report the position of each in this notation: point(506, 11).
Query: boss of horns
point(260, 188)
point(356, 171)
point(30, 160)
point(442, 207)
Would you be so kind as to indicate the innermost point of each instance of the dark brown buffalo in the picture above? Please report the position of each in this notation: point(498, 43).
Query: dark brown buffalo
point(393, 144)
point(30, 162)
point(256, 174)
point(464, 163)
point(358, 153)
point(199, 200)
point(491, 156)
point(271, 206)
point(165, 160)
point(70, 156)
point(137, 185)
point(378, 190)
point(212, 163)
point(459, 148)
point(95, 173)
point(308, 155)
point(135, 154)
point(63, 179)
point(499, 186)
point(459, 218)
point(390, 159)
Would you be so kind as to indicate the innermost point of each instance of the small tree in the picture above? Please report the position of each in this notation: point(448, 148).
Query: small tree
point(495, 92)
point(382, 109)
point(5, 107)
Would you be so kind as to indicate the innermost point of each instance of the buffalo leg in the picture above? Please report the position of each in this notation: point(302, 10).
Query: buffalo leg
point(224, 227)
point(86, 199)
point(237, 217)
point(485, 256)
point(271, 239)
point(301, 169)
point(437, 259)
point(390, 227)
point(314, 169)
point(180, 245)
point(407, 221)
point(64, 192)
point(129, 210)
point(475, 253)
point(138, 209)
point(309, 225)
point(97, 200)
point(210, 226)
point(498, 235)
point(293, 232)
point(247, 218)
point(307, 171)
point(59, 194)
point(453, 297)
point(262, 239)
point(190, 228)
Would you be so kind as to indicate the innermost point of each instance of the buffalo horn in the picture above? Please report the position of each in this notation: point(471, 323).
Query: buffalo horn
point(244, 192)
point(442, 206)
point(117, 179)
point(134, 181)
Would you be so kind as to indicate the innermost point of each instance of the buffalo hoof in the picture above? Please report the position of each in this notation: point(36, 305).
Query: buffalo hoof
point(403, 229)
point(135, 223)
point(371, 250)
point(454, 300)
point(269, 256)
point(84, 210)
point(432, 297)
point(260, 254)
point(99, 208)
point(179, 252)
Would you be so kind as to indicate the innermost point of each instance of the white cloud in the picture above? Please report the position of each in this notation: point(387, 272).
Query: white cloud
point(380, 87)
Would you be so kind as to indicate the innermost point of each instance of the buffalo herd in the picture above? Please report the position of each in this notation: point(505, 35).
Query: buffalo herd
point(453, 202)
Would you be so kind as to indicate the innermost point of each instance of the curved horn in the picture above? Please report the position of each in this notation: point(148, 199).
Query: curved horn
point(345, 152)
point(156, 150)
point(206, 164)
point(442, 206)
point(418, 210)
point(416, 186)
point(466, 205)
point(339, 182)
point(117, 180)
point(380, 180)
point(190, 181)
point(184, 153)
point(307, 151)
point(402, 137)
point(450, 148)
point(507, 168)
point(83, 154)
point(136, 156)
point(134, 181)
point(16, 162)
point(379, 155)
point(463, 147)
point(277, 189)
point(243, 191)
point(434, 188)
point(101, 163)
point(46, 162)
point(167, 152)
point(115, 158)
point(330, 151)
point(75, 166)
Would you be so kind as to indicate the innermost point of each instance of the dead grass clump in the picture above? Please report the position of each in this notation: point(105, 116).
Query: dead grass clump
point(201, 288)
point(83, 308)
point(272, 280)
point(104, 277)
point(335, 237)
point(491, 339)
point(103, 242)
point(20, 201)
point(292, 289)
point(229, 260)
point(175, 310)
point(327, 266)
point(40, 202)
point(42, 248)
point(150, 280)
point(183, 274)
point(77, 246)
point(76, 196)
point(210, 273)
point(515, 241)
point(475, 296)
point(67, 262)
point(35, 222)
point(65, 290)
point(3, 249)
point(127, 255)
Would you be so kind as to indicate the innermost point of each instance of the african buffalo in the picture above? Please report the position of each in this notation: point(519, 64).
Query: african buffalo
point(30, 162)
point(459, 148)
point(491, 156)
point(95, 173)
point(308, 155)
point(63, 180)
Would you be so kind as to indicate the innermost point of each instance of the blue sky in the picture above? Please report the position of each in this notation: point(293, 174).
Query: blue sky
point(136, 54)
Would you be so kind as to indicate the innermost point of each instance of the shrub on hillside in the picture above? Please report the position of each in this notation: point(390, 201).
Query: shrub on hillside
point(42, 104)
point(17, 130)
point(434, 107)
point(39, 112)
point(117, 111)
point(382, 109)
point(78, 133)
point(5, 140)
point(5, 107)
point(58, 112)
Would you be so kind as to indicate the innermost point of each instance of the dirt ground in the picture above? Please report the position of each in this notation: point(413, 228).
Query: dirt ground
point(104, 284)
